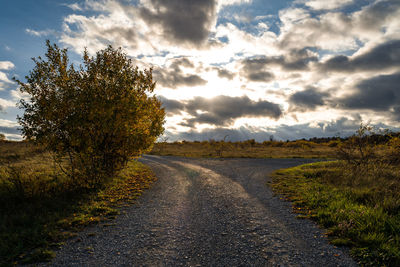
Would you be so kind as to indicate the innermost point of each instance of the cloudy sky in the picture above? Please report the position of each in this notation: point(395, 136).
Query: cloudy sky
point(246, 68)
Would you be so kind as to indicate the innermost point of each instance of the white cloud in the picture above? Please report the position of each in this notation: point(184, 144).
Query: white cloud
point(4, 78)
point(6, 65)
point(74, 7)
point(39, 33)
point(222, 3)
point(325, 5)
point(4, 103)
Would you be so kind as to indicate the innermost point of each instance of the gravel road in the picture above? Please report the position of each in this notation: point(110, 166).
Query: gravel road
point(205, 212)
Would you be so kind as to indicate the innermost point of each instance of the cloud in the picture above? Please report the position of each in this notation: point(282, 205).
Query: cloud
point(234, 135)
point(39, 33)
point(380, 15)
point(255, 70)
point(4, 80)
point(4, 103)
point(10, 129)
point(6, 65)
point(172, 106)
point(259, 68)
point(383, 56)
point(222, 110)
point(173, 77)
point(308, 99)
point(74, 6)
point(380, 93)
point(222, 3)
point(181, 21)
point(326, 5)
point(200, 49)
point(339, 31)
point(224, 73)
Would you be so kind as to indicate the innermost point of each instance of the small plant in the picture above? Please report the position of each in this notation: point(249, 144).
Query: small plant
point(358, 150)
point(394, 150)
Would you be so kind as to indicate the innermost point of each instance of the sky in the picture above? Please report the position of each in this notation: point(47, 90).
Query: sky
point(249, 69)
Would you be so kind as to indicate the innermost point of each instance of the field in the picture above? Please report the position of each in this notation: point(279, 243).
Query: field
point(40, 206)
point(248, 149)
point(355, 195)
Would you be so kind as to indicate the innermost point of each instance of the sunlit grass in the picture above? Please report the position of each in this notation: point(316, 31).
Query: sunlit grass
point(360, 207)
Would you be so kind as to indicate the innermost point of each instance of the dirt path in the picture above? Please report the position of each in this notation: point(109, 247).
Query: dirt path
point(206, 212)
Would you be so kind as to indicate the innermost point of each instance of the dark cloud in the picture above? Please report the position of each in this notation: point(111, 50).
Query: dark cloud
point(173, 76)
point(380, 93)
point(174, 79)
point(256, 69)
point(181, 61)
point(383, 56)
point(223, 73)
point(186, 21)
point(221, 110)
point(378, 12)
point(297, 59)
point(10, 130)
point(172, 106)
point(119, 34)
point(308, 99)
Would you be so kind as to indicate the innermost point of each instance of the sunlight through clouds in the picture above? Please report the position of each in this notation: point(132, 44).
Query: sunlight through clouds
point(318, 62)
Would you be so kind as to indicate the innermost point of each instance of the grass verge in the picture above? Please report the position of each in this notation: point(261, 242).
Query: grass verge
point(359, 207)
point(39, 208)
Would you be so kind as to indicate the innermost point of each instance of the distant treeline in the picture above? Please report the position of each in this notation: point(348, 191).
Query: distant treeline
point(376, 138)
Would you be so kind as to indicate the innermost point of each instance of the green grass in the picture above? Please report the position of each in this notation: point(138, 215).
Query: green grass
point(40, 207)
point(360, 207)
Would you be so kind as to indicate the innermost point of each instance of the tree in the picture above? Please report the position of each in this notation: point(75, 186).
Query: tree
point(99, 115)
point(2, 137)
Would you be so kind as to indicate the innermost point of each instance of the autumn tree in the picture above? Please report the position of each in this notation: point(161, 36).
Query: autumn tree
point(98, 115)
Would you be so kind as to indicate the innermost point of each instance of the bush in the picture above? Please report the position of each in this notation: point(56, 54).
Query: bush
point(98, 115)
point(358, 149)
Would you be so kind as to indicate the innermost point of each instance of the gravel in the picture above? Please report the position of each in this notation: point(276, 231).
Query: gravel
point(205, 212)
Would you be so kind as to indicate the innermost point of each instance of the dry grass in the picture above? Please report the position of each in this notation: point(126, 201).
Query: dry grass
point(40, 205)
point(247, 149)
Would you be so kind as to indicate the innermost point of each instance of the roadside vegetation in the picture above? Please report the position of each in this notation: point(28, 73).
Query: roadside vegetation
point(41, 207)
point(357, 197)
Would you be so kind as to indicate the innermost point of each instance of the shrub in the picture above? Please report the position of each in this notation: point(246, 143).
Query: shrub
point(99, 115)
point(358, 149)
